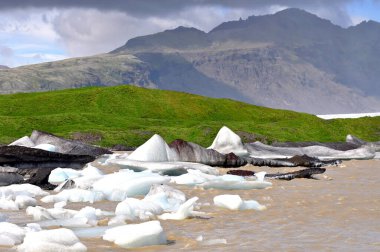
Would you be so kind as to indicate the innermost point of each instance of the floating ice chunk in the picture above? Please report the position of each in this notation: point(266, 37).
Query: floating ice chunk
point(234, 202)
point(160, 198)
point(10, 234)
point(167, 197)
point(214, 242)
point(85, 182)
point(137, 235)
point(80, 178)
point(210, 242)
point(6, 203)
point(106, 158)
point(260, 176)
point(60, 204)
point(226, 141)
point(183, 212)
point(193, 177)
point(23, 141)
point(21, 189)
point(235, 185)
point(155, 149)
point(230, 177)
point(252, 204)
point(59, 175)
point(91, 171)
point(260, 150)
point(61, 239)
point(41, 213)
point(119, 185)
point(165, 168)
point(75, 222)
point(92, 232)
point(75, 195)
point(32, 227)
point(118, 220)
point(23, 201)
point(91, 214)
point(46, 147)
point(224, 182)
point(86, 217)
point(133, 209)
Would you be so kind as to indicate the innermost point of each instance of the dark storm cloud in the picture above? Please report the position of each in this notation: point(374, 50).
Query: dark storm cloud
point(163, 7)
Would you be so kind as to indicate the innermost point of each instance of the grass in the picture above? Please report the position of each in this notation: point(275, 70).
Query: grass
point(130, 115)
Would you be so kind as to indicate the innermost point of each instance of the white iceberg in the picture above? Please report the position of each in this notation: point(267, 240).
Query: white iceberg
point(183, 212)
point(23, 141)
point(164, 168)
point(14, 197)
point(21, 189)
point(10, 234)
point(134, 209)
point(154, 150)
point(46, 147)
point(61, 239)
point(234, 202)
point(137, 235)
point(60, 175)
point(260, 150)
point(227, 141)
point(224, 182)
point(75, 195)
point(167, 197)
point(23, 201)
point(126, 183)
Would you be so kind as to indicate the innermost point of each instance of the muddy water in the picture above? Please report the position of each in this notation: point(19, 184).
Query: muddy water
point(341, 211)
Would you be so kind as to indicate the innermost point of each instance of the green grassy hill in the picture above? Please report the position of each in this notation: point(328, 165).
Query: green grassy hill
point(130, 115)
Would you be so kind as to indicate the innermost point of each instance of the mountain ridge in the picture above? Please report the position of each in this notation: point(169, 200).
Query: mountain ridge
point(291, 59)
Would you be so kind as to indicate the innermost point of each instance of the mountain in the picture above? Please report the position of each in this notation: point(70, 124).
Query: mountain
point(3, 67)
point(291, 60)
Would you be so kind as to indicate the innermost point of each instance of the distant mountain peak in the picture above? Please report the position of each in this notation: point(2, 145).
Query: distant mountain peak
point(177, 38)
point(185, 29)
point(293, 11)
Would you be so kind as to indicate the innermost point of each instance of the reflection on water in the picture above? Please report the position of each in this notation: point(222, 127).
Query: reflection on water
point(341, 213)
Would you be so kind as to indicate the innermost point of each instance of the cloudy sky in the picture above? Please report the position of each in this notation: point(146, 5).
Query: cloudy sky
point(33, 31)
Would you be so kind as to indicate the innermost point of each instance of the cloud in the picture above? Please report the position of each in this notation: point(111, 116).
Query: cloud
point(90, 31)
point(332, 9)
point(5, 51)
point(79, 28)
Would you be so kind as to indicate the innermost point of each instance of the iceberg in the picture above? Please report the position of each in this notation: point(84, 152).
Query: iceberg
point(183, 212)
point(136, 235)
point(164, 168)
point(10, 234)
point(154, 150)
point(227, 141)
point(234, 202)
point(75, 195)
point(61, 239)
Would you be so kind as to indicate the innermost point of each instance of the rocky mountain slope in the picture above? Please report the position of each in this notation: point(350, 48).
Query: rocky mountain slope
point(291, 60)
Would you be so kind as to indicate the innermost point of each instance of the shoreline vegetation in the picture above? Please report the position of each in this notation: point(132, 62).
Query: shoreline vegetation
point(130, 115)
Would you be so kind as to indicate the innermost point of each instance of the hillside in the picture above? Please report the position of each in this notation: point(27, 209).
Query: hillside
point(291, 60)
point(130, 115)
